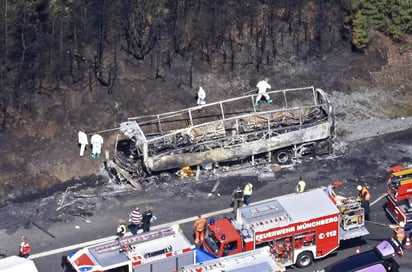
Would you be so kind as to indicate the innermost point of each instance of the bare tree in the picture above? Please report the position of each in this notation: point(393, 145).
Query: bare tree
point(140, 27)
point(106, 75)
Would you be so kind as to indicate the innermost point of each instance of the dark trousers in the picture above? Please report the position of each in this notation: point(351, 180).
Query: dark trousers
point(146, 226)
point(236, 205)
point(134, 228)
point(366, 208)
point(246, 199)
point(23, 255)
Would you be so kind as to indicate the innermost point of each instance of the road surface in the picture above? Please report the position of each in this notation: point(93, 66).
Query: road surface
point(367, 161)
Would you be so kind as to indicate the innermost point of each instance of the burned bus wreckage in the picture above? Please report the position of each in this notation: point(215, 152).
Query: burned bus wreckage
point(298, 123)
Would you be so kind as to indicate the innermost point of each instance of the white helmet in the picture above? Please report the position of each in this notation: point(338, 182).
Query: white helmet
point(359, 187)
point(401, 224)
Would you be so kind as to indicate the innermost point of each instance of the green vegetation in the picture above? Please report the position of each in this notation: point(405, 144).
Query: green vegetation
point(393, 17)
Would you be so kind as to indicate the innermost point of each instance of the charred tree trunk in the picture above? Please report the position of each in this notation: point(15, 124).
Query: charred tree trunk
point(105, 78)
point(4, 114)
point(140, 34)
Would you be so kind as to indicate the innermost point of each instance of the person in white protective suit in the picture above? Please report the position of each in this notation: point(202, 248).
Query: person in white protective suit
point(201, 97)
point(83, 142)
point(262, 86)
point(97, 143)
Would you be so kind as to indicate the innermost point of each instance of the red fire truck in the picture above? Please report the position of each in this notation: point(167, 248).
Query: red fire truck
point(399, 197)
point(297, 227)
point(162, 250)
point(260, 259)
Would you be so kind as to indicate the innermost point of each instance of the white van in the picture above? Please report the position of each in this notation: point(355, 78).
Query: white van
point(17, 264)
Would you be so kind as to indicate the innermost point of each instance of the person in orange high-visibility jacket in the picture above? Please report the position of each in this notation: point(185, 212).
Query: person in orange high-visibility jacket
point(364, 197)
point(364, 193)
point(199, 229)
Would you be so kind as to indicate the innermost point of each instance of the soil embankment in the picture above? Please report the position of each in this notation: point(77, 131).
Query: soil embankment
point(371, 93)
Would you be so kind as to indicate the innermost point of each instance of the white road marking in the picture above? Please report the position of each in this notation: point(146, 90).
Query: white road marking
point(112, 238)
point(378, 199)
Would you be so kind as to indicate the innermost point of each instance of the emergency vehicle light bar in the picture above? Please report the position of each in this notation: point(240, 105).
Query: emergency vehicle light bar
point(396, 168)
point(134, 240)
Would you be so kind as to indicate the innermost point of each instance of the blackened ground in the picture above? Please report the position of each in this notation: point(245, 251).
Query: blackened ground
point(366, 161)
point(44, 181)
point(39, 147)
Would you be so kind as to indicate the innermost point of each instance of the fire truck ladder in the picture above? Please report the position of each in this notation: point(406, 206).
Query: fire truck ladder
point(134, 240)
point(266, 214)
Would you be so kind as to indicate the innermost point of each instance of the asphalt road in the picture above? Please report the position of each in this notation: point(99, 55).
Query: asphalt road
point(367, 161)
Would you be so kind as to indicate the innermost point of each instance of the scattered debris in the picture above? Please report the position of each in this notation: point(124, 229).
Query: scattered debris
point(85, 219)
point(213, 192)
point(124, 174)
point(64, 196)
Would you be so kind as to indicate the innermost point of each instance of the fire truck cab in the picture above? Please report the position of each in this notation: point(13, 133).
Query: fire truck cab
point(162, 250)
point(399, 197)
point(297, 227)
point(260, 259)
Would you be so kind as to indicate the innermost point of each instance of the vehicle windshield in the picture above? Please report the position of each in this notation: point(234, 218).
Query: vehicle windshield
point(351, 263)
point(374, 268)
point(212, 242)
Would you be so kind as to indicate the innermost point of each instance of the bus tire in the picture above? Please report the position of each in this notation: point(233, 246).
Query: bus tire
point(304, 259)
point(283, 156)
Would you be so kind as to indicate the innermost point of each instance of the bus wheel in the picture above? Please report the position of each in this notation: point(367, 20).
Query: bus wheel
point(304, 259)
point(282, 156)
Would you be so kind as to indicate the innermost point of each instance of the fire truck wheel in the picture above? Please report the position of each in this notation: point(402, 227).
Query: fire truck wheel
point(304, 259)
point(282, 156)
point(64, 263)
